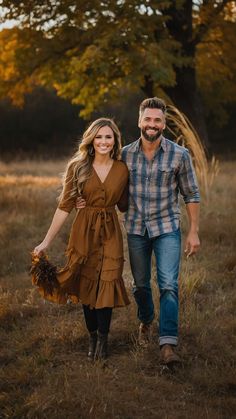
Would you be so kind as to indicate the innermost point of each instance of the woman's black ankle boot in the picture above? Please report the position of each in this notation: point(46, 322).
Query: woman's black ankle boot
point(101, 348)
point(93, 336)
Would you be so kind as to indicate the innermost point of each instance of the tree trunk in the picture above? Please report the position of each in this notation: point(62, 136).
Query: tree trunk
point(185, 94)
point(186, 97)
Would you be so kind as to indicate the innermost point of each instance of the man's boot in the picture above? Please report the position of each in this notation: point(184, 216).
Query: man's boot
point(168, 356)
point(93, 336)
point(101, 348)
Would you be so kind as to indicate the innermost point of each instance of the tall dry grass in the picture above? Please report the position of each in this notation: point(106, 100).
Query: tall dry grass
point(184, 134)
point(44, 372)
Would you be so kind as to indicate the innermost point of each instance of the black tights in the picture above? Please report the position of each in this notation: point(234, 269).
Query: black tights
point(98, 319)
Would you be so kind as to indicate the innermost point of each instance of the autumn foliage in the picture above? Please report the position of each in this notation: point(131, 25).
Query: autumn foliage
point(90, 52)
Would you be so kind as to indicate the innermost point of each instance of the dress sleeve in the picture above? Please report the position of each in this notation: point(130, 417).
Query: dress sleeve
point(122, 204)
point(67, 202)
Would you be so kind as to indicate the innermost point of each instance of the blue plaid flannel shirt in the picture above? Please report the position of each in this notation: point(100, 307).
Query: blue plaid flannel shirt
point(155, 186)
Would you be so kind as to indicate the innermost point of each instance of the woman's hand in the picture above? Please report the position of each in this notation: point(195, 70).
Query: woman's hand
point(40, 249)
point(80, 203)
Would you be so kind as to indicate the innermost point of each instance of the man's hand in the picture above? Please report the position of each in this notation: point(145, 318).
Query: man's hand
point(192, 244)
point(80, 203)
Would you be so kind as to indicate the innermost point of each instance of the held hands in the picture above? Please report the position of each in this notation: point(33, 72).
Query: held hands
point(192, 244)
point(80, 203)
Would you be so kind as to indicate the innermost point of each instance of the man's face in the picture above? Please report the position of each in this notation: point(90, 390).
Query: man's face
point(152, 123)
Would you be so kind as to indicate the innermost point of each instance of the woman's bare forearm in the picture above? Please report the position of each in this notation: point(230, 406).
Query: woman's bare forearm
point(57, 222)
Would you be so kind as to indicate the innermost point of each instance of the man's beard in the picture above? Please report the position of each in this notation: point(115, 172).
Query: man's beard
point(151, 138)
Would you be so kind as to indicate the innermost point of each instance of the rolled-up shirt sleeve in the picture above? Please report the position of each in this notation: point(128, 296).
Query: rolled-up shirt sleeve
point(187, 180)
point(67, 201)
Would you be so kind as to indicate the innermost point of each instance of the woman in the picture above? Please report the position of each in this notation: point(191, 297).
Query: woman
point(93, 273)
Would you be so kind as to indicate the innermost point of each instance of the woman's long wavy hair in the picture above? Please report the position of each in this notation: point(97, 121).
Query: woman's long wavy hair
point(82, 160)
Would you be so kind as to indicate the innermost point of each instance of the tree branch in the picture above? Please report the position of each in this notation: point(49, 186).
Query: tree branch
point(204, 27)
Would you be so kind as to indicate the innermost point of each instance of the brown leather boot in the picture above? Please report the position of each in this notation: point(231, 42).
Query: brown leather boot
point(168, 356)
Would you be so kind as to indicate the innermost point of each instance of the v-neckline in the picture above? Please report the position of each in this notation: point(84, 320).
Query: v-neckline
point(109, 171)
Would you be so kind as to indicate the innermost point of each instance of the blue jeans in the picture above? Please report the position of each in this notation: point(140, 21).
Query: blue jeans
point(167, 250)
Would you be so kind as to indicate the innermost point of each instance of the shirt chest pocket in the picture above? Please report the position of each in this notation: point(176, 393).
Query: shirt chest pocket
point(166, 176)
point(133, 176)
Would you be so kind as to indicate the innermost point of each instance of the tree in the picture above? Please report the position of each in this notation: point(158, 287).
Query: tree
point(94, 51)
point(216, 68)
point(200, 28)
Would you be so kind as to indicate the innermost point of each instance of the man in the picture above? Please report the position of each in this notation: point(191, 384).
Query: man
point(159, 170)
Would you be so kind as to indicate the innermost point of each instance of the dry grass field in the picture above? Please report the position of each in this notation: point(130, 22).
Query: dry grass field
point(44, 372)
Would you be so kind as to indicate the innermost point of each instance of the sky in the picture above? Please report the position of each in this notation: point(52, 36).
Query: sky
point(8, 24)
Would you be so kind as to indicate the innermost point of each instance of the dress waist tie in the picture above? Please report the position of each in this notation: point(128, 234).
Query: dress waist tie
point(101, 220)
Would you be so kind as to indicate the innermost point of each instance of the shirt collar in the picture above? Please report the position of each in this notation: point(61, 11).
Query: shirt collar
point(162, 145)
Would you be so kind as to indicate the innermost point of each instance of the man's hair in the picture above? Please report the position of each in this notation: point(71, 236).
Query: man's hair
point(153, 103)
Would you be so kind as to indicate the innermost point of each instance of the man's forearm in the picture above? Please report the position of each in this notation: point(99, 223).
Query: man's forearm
point(193, 211)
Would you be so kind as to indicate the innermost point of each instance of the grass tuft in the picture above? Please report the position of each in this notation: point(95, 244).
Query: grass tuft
point(184, 134)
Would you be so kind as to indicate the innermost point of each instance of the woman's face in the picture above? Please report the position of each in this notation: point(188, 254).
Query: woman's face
point(104, 141)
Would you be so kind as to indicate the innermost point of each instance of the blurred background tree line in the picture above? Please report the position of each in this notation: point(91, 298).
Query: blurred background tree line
point(66, 62)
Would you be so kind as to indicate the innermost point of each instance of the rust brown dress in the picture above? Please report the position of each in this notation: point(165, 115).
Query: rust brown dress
point(93, 273)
